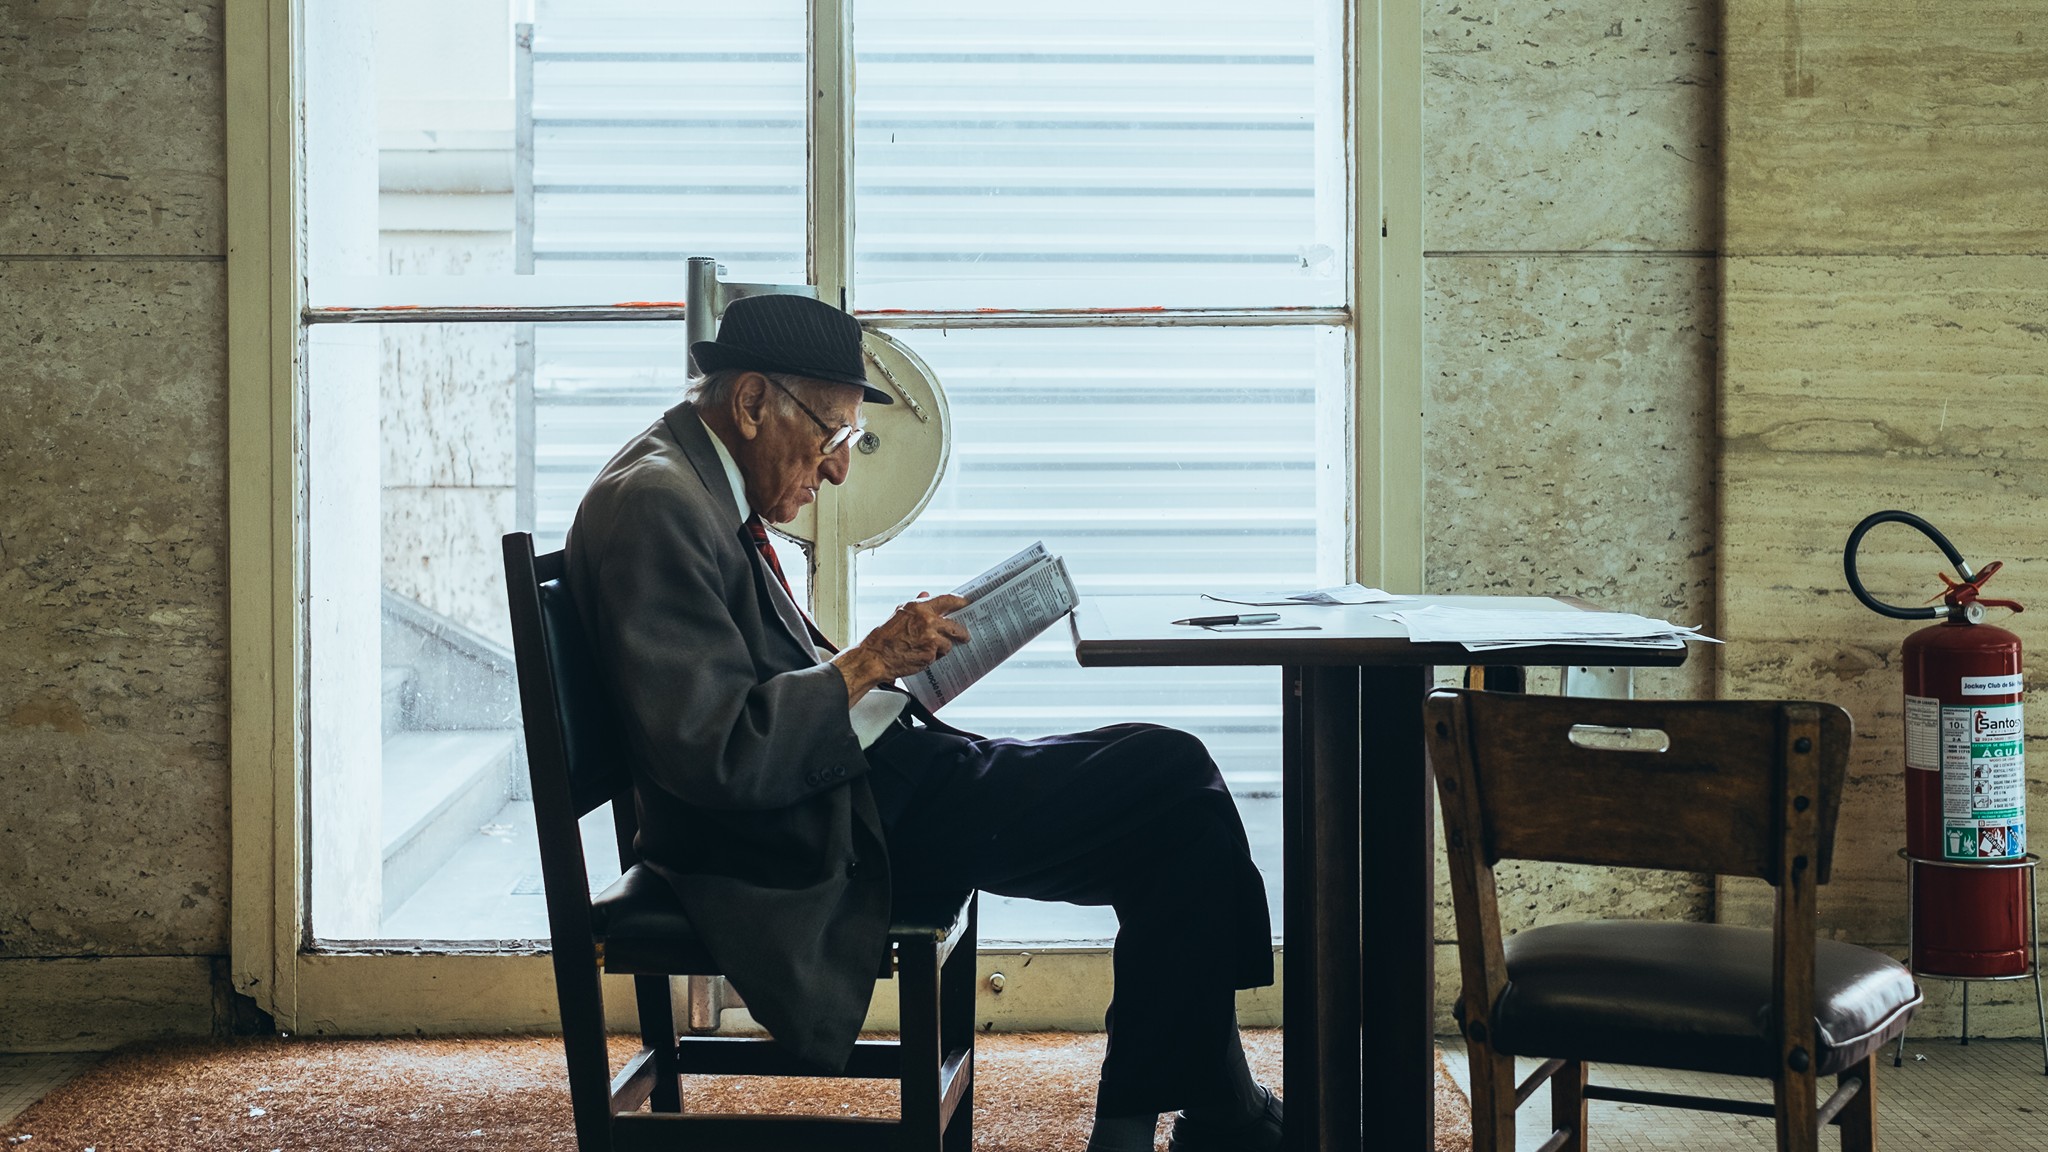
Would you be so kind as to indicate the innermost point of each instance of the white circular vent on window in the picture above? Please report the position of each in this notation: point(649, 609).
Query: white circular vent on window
point(898, 464)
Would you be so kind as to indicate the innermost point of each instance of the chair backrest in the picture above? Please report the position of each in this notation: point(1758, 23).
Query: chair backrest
point(1551, 778)
point(573, 752)
point(1737, 788)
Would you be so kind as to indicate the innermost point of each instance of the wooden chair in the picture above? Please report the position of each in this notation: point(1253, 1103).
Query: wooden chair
point(637, 926)
point(1738, 788)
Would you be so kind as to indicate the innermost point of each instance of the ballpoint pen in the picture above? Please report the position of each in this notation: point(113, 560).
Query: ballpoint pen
point(1245, 618)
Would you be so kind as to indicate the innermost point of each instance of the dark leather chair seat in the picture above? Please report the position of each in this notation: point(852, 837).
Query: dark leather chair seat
point(644, 929)
point(1683, 995)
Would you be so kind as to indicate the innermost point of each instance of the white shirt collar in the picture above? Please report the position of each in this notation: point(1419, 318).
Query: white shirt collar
point(876, 711)
point(732, 472)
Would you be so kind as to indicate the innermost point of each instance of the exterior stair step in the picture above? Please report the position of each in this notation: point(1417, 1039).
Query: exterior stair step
point(439, 789)
point(398, 688)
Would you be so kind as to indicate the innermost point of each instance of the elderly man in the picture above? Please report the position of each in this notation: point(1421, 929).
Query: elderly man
point(785, 789)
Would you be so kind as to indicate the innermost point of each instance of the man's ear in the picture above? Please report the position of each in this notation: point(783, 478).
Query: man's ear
point(749, 404)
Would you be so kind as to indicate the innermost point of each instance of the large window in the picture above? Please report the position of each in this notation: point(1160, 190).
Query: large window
point(1118, 231)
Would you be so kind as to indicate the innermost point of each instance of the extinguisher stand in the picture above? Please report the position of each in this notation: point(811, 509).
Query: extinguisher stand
point(2026, 862)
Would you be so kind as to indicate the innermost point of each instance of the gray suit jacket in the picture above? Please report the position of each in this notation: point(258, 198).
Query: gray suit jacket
point(749, 782)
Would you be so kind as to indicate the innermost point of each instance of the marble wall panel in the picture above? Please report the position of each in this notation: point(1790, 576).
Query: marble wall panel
point(404, 253)
point(1889, 357)
point(449, 390)
point(99, 1004)
point(1567, 449)
point(1856, 384)
point(1782, 574)
point(112, 608)
point(449, 399)
point(1905, 127)
point(112, 843)
point(115, 132)
point(441, 548)
point(1570, 126)
point(1566, 427)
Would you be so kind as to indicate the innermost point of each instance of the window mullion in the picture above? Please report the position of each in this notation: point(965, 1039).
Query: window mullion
point(830, 226)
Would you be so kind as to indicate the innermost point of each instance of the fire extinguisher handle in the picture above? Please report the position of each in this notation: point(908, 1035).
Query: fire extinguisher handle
point(1894, 516)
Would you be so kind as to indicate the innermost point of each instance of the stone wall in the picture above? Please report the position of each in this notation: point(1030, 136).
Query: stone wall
point(450, 393)
point(113, 414)
point(1571, 156)
point(1884, 291)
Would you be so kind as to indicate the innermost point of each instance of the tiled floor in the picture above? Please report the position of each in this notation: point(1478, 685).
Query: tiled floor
point(1990, 1096)
point(26, 1077)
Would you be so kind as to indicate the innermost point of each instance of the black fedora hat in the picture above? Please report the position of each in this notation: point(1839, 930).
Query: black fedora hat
point(792, 334)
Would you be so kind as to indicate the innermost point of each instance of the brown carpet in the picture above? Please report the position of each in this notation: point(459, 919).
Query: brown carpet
point(1034, 1092)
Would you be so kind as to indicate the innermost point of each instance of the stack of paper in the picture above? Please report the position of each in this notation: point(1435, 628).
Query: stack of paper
point(1481, 629)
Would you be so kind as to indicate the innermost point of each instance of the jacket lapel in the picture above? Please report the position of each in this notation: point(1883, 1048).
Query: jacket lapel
point(695, 442)
point(690, 436)
point(785, 608)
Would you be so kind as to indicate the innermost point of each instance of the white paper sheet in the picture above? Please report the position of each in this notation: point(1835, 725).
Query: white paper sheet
point(1484, 629)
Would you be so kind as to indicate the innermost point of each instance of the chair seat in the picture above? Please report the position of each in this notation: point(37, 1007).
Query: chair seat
point(642, 924)
point(1687, 996)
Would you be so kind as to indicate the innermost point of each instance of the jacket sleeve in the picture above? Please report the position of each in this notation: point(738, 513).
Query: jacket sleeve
point(711, 724)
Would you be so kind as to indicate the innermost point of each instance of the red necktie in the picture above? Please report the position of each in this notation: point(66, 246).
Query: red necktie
point(759, 533)
point(766, 548)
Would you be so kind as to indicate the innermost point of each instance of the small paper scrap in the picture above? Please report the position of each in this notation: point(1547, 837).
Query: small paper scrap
point(1340, 594)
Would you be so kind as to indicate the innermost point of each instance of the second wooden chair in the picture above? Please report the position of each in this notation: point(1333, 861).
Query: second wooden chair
point(1729, 788)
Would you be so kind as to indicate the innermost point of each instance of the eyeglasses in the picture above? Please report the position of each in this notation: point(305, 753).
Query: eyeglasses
point(839, 436)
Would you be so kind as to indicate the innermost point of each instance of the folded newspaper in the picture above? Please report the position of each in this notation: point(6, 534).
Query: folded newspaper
point(1007, 606)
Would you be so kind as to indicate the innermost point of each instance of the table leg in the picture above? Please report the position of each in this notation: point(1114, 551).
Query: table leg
point(1397, 864)
point(1298, 1038)
point(1331, 705)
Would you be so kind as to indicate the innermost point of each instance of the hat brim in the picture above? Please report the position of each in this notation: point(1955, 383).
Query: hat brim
point(711, 356)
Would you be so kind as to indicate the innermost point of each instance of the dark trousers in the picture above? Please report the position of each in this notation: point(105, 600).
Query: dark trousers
point(1134, 816)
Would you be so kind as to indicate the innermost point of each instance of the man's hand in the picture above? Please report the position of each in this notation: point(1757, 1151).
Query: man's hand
point(906, 643)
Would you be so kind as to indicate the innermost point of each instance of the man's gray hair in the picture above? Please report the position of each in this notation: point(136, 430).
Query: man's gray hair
point(714, 390)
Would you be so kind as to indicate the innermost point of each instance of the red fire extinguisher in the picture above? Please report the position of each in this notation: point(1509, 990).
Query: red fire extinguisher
point(1966, 814)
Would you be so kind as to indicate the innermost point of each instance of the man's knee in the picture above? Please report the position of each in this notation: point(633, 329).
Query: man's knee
point(1179, 759)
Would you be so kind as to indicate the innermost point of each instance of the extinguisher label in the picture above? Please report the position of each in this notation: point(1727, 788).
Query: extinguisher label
point(1923, 733)
point(1983, 782)
point(1992, 685)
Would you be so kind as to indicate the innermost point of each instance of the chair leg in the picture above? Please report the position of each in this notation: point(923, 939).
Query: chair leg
point(957, 983)
point(1568, 1104)
point(1859, 1118)
point(1797, 1112)
point(658, 1033)
point(583, 1046)
point(1493, 1098)
point(917, 1009)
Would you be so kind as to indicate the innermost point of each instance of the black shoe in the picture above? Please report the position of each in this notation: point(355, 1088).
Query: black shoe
point(1261, 1133)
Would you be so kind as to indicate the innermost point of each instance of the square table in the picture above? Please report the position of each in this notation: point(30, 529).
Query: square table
point(1351, 728)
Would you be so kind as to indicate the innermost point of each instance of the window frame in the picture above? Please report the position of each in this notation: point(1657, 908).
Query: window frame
point(487, 988)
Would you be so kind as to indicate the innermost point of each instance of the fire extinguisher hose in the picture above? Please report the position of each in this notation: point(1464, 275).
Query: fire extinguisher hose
point(1958, 596)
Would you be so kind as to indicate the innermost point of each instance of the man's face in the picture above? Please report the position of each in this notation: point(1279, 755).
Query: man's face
point(782, 465)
